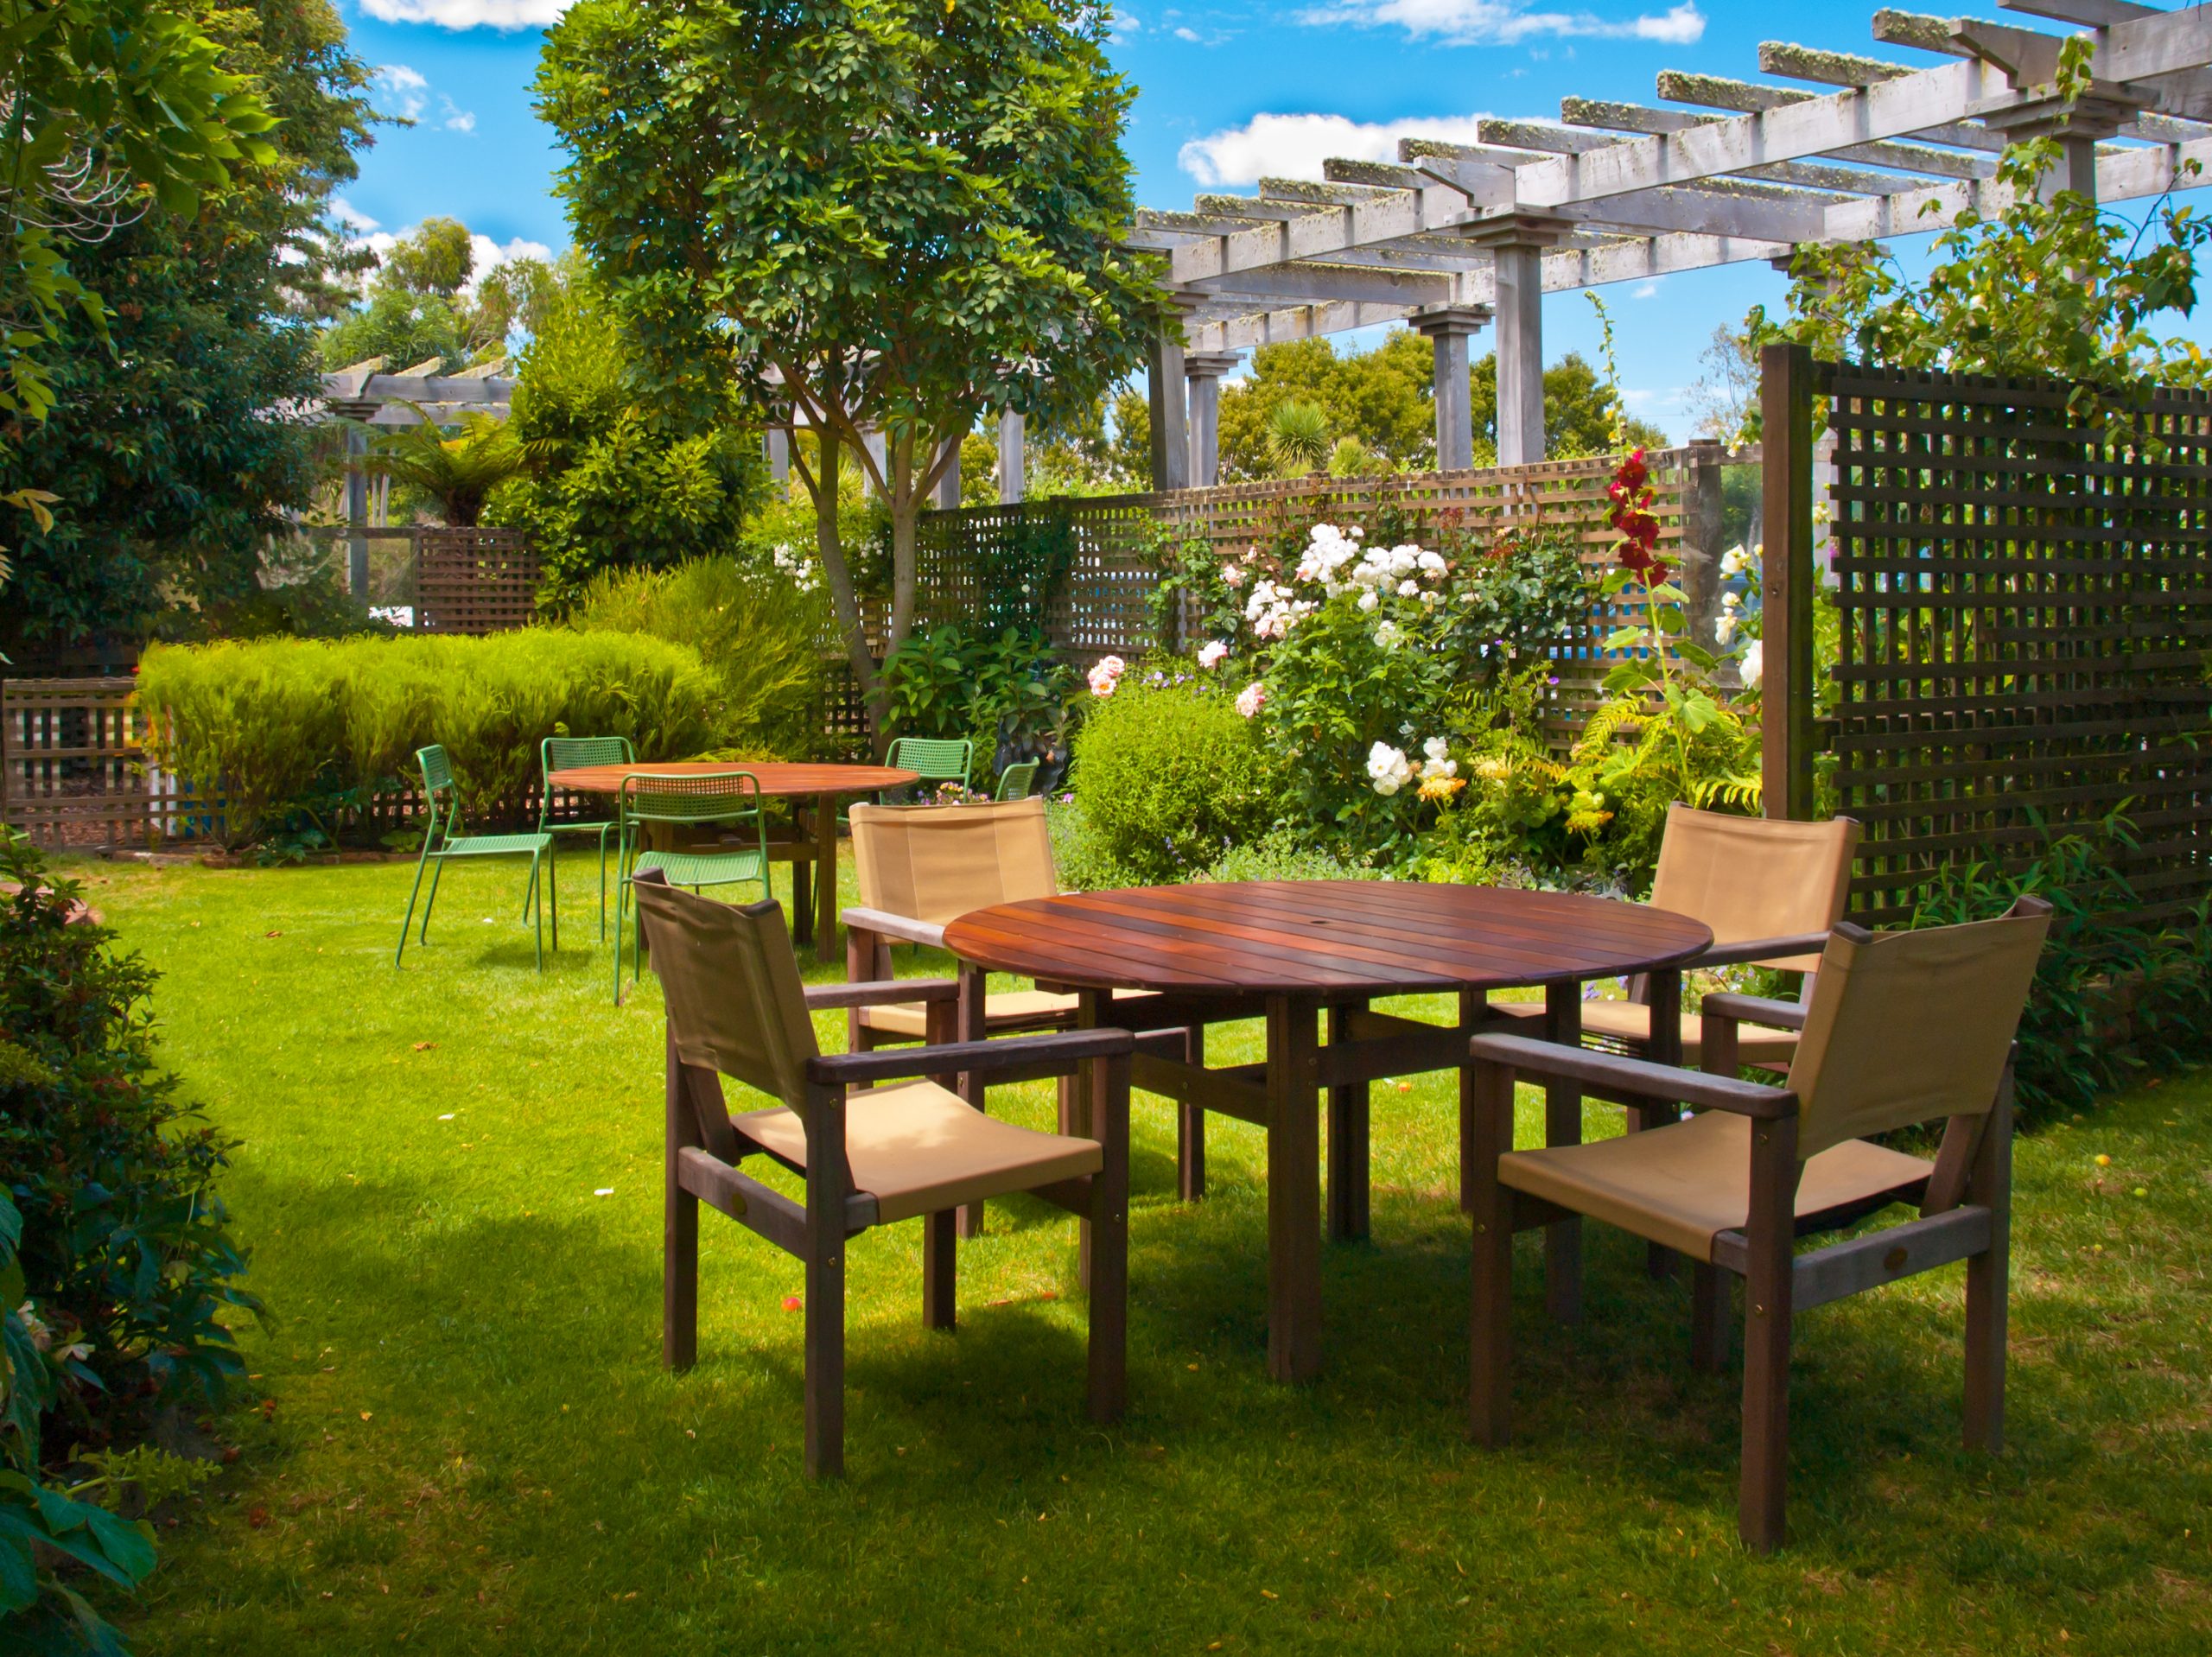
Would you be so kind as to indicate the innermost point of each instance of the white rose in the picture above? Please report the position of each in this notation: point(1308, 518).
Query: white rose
point(1723, 628)
point(1211, 653)
point(1408, 589)
point(1733, 561)
point(1436, 747)
point(1751, 666)
point(1368, 600)
point(1387, 634)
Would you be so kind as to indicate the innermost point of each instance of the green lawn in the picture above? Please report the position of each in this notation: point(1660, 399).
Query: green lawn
point(464, 1441)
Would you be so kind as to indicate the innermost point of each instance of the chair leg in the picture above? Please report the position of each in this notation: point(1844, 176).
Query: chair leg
point(940, 1263)
point(825, 1245)
point(1989, 1184)
point(422, 863)
point(553, 892)
point(1708, 1319)
point(1771, 1229)
point(1190, 1127)
point(621, 896)
point(1109, 1230)
point(536, 901)
point(972, 1024)
point(679, 1284)
point(602, 882)
point(430, 899)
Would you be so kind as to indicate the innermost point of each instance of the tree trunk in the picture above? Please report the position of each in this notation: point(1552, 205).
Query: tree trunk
point(844, 603)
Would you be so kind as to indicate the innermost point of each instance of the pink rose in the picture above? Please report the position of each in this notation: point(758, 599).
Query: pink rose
point(1255, 697)
point(1233, 573)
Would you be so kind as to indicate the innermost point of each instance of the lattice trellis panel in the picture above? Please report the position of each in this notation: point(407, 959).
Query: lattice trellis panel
point(474, 580)
point(72, 770)
point(2026, 627)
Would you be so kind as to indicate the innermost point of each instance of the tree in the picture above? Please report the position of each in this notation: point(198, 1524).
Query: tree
point(171, 444)
point(459, 473)
point(1298, 440)
point(1579, 411)
point(1724, 397)
point(891, 214)
point(615, 476)
point(421, 304)
point(1382, 398)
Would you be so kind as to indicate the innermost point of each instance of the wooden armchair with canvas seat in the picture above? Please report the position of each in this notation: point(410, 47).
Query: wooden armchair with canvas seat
point(1904, 1028)
point(920, 867)
point(1769, 890)
point(874, 1138)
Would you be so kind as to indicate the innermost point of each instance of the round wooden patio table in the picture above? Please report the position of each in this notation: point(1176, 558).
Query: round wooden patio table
point(818, 785)
point(1289, 950)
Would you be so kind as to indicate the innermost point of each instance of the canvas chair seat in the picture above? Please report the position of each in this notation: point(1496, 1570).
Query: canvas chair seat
point(918, 1149)
point(1682, 1184)
point(1630, 1022)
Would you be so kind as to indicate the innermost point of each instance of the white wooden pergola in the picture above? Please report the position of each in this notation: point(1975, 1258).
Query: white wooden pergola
point(1456, 237)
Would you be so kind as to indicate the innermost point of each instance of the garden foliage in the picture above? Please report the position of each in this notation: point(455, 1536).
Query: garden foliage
point(761, 633)
point(1171, 776)
point(295, 737)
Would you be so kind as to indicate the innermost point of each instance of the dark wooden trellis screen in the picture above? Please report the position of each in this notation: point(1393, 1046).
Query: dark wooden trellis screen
point(2026, 624)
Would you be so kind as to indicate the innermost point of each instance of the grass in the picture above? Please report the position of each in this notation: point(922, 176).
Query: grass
point(462, 1440)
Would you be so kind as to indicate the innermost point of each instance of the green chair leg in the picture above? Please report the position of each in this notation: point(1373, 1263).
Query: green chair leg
point(421, 864)
point(553, 890)
point(535, 900)
point(430, 902)
point(602, 881)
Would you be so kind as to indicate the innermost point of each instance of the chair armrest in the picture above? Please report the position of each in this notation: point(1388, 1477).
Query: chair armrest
point(1744, 949)
point(1755, 1009)
point(882, 992)
point(1638, 1076)
point(1060, 1052)
point(905, 928)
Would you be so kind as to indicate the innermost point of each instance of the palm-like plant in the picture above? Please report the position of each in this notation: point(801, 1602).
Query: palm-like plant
point(460, 472)
point(1298, 437)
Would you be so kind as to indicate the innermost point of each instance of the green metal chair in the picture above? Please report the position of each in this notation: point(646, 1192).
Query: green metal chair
point(1017, 782)
point(441, 839)
point(561, 754)
point(692, 801)
point(934, 760)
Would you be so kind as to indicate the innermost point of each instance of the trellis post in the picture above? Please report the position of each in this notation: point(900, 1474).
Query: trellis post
point(357, 509)
point(1788, 580)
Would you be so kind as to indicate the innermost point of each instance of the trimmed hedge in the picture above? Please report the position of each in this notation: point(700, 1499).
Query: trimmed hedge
point(281, 727)
point(1168, 779)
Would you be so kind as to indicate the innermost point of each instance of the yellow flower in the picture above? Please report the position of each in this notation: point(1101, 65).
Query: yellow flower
point(1441, 787)
point(1494, 768)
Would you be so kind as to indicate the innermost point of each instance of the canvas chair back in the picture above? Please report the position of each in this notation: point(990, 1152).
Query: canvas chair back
point(1908, 1027)
point(1755, 877)
point(735, 1003)
point(936, 863)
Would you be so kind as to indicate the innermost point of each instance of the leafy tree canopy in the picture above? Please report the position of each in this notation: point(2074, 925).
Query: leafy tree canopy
point(893, 214)
point(166, 445)
point(421, 304)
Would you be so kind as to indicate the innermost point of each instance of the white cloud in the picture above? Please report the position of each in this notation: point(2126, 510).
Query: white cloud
point(406, 92)
point(1190, 35)
point(1508, 22)
point(1122, 24)
point(344, 213)
point(1295, 146)
point(490, 254)
point(507, 15)
point(457, 120)
point(1645, 291)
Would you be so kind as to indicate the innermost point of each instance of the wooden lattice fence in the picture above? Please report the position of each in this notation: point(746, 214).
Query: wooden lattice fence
point(473, 581)
point(2026, 624)
point(73, 771)
point(1104, 606)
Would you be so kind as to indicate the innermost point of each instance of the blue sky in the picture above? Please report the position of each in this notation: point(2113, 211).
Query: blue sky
point(1223, 93)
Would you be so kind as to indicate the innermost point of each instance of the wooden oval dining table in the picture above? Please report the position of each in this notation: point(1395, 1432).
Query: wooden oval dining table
point(816, 786)
point(1290, 951)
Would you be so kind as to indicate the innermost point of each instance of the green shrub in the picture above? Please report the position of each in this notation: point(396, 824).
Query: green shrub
point(2113, 1002)
point(1169, 779)
point(762, 634)
point(282, 730)
point(951, 682)
point(125, 1248)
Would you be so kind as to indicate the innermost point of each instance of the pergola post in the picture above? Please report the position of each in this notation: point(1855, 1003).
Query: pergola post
point(1014, 477)
point(874, 442)
point(1165, 389)
point(357, 509)
point(1202, 371)
point(1448, 331)
point(1516, 243)
point(776, 444)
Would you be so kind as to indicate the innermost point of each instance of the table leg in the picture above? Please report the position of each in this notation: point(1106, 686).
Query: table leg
point(1563, 1126)
point(1348, 1141)
point(1191, 1126)
point(802, 874)
point(1665, 1047)
point(1474, 1010)
point(825, 871)
point(1075, 1115)
point(1294, 1188)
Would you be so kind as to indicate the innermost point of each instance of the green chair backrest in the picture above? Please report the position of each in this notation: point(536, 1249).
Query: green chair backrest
point(437, 780)
point(1016, 781)
point(564, 752)
point(934, 760)
point(711, 797)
